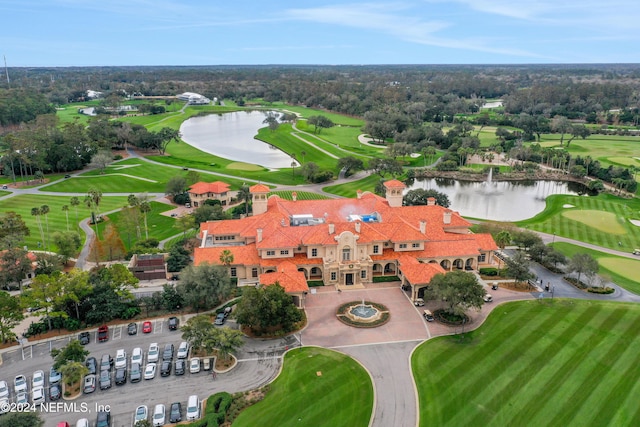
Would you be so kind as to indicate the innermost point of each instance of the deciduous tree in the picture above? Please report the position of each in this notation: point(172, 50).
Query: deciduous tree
point(10, 315)
point(459, 290)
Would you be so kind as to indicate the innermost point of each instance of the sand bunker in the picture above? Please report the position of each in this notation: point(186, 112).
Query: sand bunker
point(566, 205)
point(635, 222)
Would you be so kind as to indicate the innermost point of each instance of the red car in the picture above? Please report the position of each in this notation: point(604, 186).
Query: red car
point(103, 333)
point(146, 327)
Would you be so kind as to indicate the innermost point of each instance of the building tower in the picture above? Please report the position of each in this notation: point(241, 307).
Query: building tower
point(393, 192)
point(259, 195)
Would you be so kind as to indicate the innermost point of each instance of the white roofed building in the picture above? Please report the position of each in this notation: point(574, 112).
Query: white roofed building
point(193, 98)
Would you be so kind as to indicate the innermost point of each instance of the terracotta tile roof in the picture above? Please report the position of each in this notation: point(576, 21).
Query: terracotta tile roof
point(217, 187)
point(418, 273)
point(394, 183)
point(242, 255)
point(259, 188)
point(287, 276)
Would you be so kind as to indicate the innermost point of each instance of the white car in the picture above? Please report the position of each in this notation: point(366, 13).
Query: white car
point(4, 389)
point(121, 359)
point(183, 350)
point(194, 365)
point(37, 395)
point(158, 415)
point(141, 414)
point(136, 356)
point(193, 408)
point(150, 371)
point(22, 398)
point(82, 422)
point(38, 379)
point(154, 351)
point(20, 384)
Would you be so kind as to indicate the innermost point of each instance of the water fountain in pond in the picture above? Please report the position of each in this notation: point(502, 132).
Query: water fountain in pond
point(488, 186)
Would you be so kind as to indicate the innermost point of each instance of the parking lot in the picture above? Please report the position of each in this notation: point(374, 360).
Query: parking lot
point(259, 363)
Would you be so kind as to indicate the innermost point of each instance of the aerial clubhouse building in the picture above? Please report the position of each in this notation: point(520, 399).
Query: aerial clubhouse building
point(344, 243)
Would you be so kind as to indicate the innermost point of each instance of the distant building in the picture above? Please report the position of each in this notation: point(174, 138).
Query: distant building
point(194, 98)
point(203, 191)
point(33, 259)
point(345, 243)
point(93, 94)
point(148, 266)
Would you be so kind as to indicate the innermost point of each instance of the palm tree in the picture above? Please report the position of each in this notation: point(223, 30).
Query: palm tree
point(229, 340)
point(244, 194)
point(36, 212)
point(75, 202)
point(145, 208)
point(226, 257)
point(502, 239)
point(65, 209)
point(303, 153)
point(44, 210)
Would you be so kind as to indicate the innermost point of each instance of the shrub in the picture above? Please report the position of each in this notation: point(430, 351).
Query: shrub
point(489, 271)
point(380, 279)
point(606, 290)
point(312, 283)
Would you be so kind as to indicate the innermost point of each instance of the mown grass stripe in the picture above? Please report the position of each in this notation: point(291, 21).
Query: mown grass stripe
point(551, 350)
point(537, 402)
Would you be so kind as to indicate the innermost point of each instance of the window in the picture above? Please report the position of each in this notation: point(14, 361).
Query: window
point(225, 238)
point(376, 249)
point(482, 257)
point(415, 245)
point(271, 253)
point(254, 272)
point(285, 252)
point(334, 276)
point(314, 252)
point(346, 254)
point(402, 246)
point(363, 274)
point(234, 272)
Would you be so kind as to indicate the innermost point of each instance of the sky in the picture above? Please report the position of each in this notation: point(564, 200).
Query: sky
point(250, 32)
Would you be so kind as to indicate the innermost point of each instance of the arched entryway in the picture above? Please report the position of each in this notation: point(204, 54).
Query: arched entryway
point(390, 269)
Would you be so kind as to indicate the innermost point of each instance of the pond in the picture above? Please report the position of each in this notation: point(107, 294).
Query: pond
point(499, 201)
point(231, 135)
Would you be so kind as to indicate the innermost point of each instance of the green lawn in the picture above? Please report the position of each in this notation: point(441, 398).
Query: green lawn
point(621, 271)
point(302, 195)
point(555, 220)
point(56, 218)
point(349, 189)
point(317, 387)
point(550, 363)
point(305, 112)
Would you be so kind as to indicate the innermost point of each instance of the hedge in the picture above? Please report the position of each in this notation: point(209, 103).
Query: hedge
point(379, 279)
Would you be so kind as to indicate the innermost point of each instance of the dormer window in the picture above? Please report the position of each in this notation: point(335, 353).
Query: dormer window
point(346, 253)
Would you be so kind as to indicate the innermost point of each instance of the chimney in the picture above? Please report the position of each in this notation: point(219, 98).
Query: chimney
point(423, 227)
point(359, 194)
point(294, 196)
point(357, 226)
point(431, 201)
point(259, 236)
point(447, 217)
point(332, 228)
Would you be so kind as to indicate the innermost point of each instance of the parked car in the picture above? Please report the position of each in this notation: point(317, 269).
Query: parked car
point(419, 302)
point(636, 251)
point(142, 413)
point(92, 365)
point(89, 385)
point(83, 422)
point(103, 333)
point(488, 298)
point(227, 311)
point(54, 376)
point(158, 415)
point(103, 419)
point(146, 327)
point(165, 368)
point(55, 391)
point(136, 355)
point(38, 379)
point(121, 359)
point(20, 384)
point(194, 365)
point(132, 328)
point(183, 350)
point(121, 376)
point(428, 315)
point(167, 354)
point(206, 364)
point(4, 389)
point(106, 362)
point(150, 371)
point(22, 398)
point(67, 176)
point(84, 338)
point(193, 408)
point(153, 353)
point(37, 395)
point(135, 375)
point(105, 380)
point(175, 413)
point(173, 323)
point(5, 405)
point(63, 424)
point(180, 367)
point(220, 319)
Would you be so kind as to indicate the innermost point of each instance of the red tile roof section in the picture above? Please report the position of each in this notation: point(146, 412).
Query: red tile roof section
point(216, 187)
point(418, 273)
point(259, 188)
point(288, 277)
point(394, 183)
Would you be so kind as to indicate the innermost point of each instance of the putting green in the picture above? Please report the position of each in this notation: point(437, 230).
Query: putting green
point(627, 161)
point(244, 166)
point(603, 221)
point(625, 267)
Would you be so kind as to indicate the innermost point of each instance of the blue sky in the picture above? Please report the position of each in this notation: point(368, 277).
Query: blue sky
point(213, 32)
